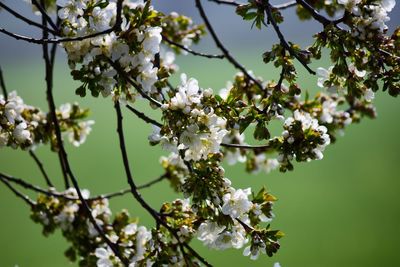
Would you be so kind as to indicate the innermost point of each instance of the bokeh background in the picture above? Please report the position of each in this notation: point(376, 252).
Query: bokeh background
point(341, 211)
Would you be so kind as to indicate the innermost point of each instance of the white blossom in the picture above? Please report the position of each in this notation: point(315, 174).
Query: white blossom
point(262, 163)
point(103, 256)
point(236, 202)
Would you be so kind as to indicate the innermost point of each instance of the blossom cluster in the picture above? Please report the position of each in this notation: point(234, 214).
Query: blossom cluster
point(23, 126)
point(130, 54)
point(134, 46)
point(303, 139)
point(193, 128)
point(64, 212)
point(368, 18)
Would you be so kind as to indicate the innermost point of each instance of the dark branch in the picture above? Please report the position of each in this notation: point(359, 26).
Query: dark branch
point(144, 117)
point(267, 146)
point(3, 85)
point(122, 73)
point(165, 38)
point(285, 5)
point(63, 154)
point(17, 193)
point(225, 51)
point(116, 28)
point(318, 17)
point(53, 193)
point(282, 39)
point(236, 4)
point(134, 189)
point(53, 40)
point(28, 21)
point(41, 167)
point(129, 176)
point(224, 2)
point(40, 6)
point(49, 93)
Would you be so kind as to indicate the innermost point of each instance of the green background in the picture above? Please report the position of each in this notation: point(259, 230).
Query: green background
point(341, 211)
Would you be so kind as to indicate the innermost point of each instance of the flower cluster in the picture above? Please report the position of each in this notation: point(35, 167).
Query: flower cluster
point(181, 30)
point(233, 155)
point(337, 84)
point(303, 139)
point(175, 170)
point(368, 18)
point(133, 47)
point(129, 51)
point(243, 224)
point(23, 126)
point(64, 212)
point(192, 128)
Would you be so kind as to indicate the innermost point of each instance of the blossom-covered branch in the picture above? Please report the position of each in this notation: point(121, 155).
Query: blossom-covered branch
point(125, 50)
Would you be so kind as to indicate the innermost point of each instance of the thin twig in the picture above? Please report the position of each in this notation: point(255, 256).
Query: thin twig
point(53, 40)
point(165, 38)
point(219, 44)
point(63, 154)
point(46, 16)
point(225, 2)
point(134, 189)
point(285, 5)
point(122, 73)
point(314, 13)
point(116, 28)
point(17, 193)
point(49, 92)
point(282, 39)
point(144, 117)
point(129, 176)
point(267, 146)
point(53, 193)
point(236, 4)
point(41, 167)
point(25, 19)
point(3, 85)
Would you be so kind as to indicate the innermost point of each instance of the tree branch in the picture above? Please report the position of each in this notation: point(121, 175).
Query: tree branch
point(282, 39)
point(3, 85)
point(62, 153)
point(314, 13)
point(116, 28)
point(286, 5)
point(226, 2)
point(236, 4)
point(267, 146)
point(134, 188)
point(129, 176)
point(165, 38)
point(41, 167)
point(38, 189)
point(17, 193)
point(143, 116)
point(225, 51)
point(40, 6)
point(122, 73)
point(28, 21)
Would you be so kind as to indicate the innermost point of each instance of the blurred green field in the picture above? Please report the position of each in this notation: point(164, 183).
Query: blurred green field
point(341, 211)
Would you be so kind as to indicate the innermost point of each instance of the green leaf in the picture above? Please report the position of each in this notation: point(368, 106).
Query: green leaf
point(261, 132)
point(81, 91)
point(245, 122)
point(103, 4)
point(218, 98)
point(250, 16)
